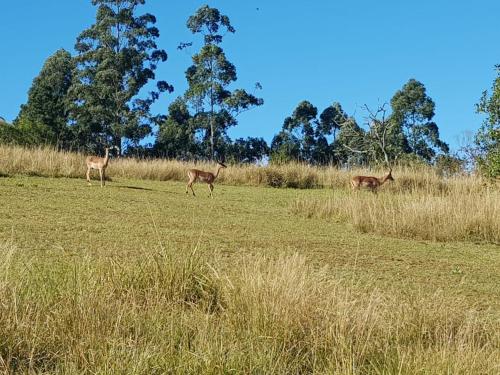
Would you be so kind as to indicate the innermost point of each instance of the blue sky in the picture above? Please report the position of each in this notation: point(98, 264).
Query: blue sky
point(354, 52)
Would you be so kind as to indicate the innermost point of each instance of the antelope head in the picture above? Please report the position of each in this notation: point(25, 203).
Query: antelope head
point(389, 177)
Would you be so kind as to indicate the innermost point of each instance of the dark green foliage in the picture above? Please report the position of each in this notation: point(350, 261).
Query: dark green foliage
point(25, 133)
point(9, 134)
point(331, 119)
point(215, 107)
point(351, 145)
point(285, 147)
point(116, 57)
point(44, 118)
point(384, 137)
point(176, 135)
point(305, 138)
point(488, 136)
point(92, 100)
point(448, 165)
point(303, 125)
point(412, 111)
point(405, 135)
point(250, 150)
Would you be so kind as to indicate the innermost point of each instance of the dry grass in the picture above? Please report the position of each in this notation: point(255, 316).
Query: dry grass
point(461, 214)
point(111, 281)
point(418, 204)
point(167, 312)
point(46, 162)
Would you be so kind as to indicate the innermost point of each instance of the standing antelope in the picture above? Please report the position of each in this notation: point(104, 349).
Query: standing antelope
point(95, 162)
point(208, 177)
point(372, 183)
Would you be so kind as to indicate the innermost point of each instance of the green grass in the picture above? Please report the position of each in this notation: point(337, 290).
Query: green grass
point(128, 217)
point(75, 255)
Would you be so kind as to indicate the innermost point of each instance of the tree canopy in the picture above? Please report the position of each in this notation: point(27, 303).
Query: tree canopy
point(215, 107)
point(103, 95)
point(488, 136)
point(116, 57)
point(412, 111)
point(43, 119)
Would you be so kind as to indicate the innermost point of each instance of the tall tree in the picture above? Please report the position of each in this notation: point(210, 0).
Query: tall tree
point(307, 138)
point(176, 135)
point(249, 150)
point(488, 136)
point(215, 106)
point(330, 122)
point(285, 147)
point(303, 125)
point(379, 143)
point(331, 119)
point(351, 145)
point(46, 112)
point(413, 110)
point(117, 56)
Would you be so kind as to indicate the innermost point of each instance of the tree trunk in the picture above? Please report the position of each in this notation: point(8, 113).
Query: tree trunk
point(212, 134)
point(211, 124)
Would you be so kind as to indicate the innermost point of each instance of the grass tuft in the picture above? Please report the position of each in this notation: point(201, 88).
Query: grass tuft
point(458, 215)
point(164, 312)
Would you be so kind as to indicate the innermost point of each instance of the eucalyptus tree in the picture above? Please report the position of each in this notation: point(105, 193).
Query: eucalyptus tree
point(331, 119)
point(351, 144)
point(302, 123)
point(488, 136)
point(285, 147)
point(176, 134)
point(116, 57)
point(412, 111)
point(306, 137)
point(330, 122)
point(215, 106)
point(44, 117)
point(249, 150)
point(376, 142)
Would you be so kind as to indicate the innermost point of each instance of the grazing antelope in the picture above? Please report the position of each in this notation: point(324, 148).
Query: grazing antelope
point(372, 183)
point(208, 177)
point(95, 162)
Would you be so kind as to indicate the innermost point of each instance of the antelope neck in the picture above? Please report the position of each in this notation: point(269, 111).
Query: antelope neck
point(106, 158)
point(218, 170)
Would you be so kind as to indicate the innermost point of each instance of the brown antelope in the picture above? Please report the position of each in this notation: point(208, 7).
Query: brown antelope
point(207, 177)
point(372, 183)
point(95, 162)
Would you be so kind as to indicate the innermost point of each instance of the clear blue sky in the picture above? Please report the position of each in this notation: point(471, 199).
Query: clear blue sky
point(355, 52)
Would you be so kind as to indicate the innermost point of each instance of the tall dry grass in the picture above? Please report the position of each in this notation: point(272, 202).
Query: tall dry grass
point(171, 312)
point(462, 213)
point(418, 204)
point(48, 162)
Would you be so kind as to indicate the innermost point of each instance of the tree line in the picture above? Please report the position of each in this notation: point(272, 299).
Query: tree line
point(95, 98)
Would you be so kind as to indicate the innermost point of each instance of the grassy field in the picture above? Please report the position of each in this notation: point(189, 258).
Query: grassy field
point(446, 216)
point(140, 278)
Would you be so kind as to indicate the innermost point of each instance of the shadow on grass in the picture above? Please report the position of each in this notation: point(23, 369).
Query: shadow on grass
point(133, 187)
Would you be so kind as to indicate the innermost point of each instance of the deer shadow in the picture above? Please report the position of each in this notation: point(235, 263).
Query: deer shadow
point(133, 187)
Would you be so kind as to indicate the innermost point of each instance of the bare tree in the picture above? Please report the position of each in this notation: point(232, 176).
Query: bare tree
point(377, 139)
